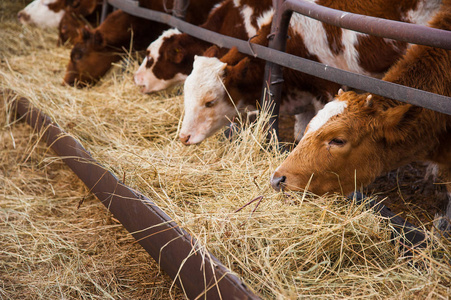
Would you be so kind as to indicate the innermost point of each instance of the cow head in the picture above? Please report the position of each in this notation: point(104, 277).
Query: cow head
point(347, 144)
point(215, 92)
point(168, 62)
point(90, 59)
point(42, 13)
point(163, 65)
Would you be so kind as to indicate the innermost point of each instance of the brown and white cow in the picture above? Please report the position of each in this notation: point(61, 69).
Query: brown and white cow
point(357, 137)
point(42, 13)
point(169, 59)
point(207, 103)
point(95, 50)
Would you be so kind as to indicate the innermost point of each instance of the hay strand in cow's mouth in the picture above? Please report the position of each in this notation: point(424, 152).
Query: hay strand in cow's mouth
point(289, 247)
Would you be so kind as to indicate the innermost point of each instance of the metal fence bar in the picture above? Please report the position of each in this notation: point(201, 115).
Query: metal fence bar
point(199, 273)
point(394, 91)
point(401, 31)
point(104, 11)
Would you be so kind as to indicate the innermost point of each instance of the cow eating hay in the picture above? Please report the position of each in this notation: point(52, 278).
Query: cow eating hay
point(358, 137)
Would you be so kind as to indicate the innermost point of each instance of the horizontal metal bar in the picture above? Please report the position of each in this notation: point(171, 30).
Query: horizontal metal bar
point(199, 273)
point(387, 89)
point(401, 31)
point(390, 90)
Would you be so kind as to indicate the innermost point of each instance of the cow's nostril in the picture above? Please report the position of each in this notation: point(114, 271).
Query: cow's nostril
point(277, 182)
point(185, 139)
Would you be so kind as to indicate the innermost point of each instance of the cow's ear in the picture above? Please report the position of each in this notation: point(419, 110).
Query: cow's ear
point(74, 3)
point(395, 123)
point(233, 56)
point(238, 72)
point(213, 51)
point(56, 6)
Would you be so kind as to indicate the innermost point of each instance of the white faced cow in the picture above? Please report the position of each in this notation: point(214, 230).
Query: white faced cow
point(215, 92)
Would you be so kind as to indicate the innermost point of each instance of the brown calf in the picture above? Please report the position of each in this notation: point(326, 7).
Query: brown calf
point(302, 94)
point(358, 137)
point(95, 50)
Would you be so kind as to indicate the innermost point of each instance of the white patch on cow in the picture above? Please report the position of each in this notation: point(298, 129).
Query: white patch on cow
point(423, 13)
point(315, 40)
point(265, 18)
point(204, 84)
point(330, 110)
point(146, 77)
point(247, 12)
point(38, 14)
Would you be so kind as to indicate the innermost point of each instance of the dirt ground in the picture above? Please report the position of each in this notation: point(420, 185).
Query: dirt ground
point(405, 191)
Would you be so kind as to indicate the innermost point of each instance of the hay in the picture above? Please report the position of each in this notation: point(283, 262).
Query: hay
point(289, 247)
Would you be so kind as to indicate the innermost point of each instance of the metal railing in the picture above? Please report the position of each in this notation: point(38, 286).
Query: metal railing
point(276, 57)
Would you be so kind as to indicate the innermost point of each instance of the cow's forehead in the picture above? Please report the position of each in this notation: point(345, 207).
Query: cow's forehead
point(156, 45)
point(205, 79)
point(207, 72)
point(330, 110)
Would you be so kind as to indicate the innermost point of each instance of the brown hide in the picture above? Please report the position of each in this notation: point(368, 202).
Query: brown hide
point(117, 30)
point(375, 134)
point(78, 15)
point(376, 55)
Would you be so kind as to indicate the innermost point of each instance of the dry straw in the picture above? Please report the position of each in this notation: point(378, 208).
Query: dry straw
point(297, 246)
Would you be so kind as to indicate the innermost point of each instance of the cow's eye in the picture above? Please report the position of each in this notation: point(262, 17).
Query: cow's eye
point(337, 142)
point(209, 104)
point(76, 55)
point(149, 62)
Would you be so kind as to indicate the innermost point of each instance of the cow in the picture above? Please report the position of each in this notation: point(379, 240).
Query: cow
point(96, 49)
point(208, 105)
point(357, 137)
point(77, 15)
point(169, 59)
point(42, 13)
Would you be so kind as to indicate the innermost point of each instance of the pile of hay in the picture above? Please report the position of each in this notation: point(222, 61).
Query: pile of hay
point(289, 247)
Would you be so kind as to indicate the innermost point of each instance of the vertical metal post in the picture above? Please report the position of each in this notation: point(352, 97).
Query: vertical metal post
point(105, 9)
point(180, 7)
point(272, 86)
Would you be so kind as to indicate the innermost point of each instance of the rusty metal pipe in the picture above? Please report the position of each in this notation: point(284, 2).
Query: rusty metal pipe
point(179, 254)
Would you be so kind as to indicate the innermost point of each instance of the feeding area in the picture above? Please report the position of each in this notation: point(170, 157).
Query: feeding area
point(58, 241)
